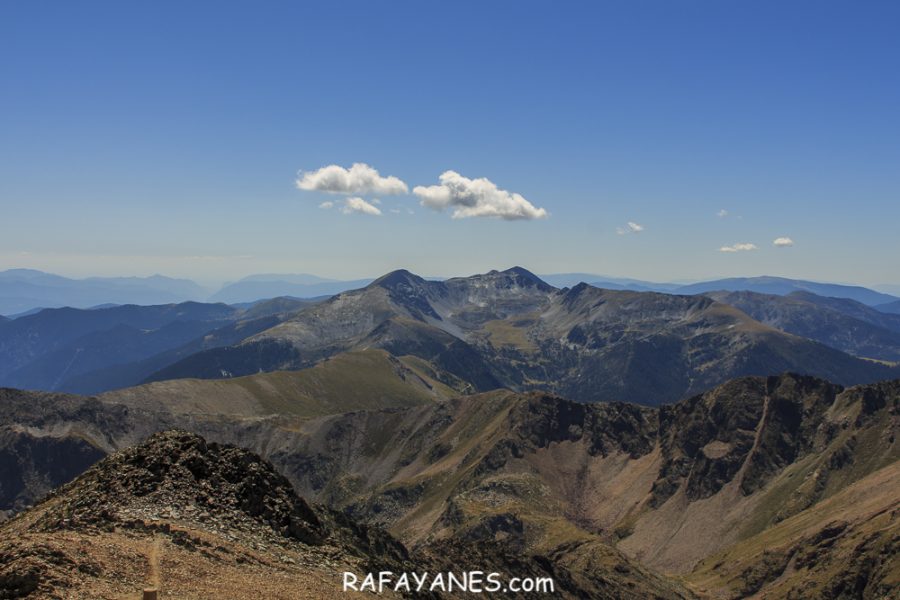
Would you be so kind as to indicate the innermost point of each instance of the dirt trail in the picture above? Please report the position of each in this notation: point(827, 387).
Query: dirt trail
point(153, 577)
point(154, 563)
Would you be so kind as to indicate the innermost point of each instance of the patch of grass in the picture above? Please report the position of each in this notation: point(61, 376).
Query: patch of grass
point(352, 381)
point(510, 332)
point(853, 528)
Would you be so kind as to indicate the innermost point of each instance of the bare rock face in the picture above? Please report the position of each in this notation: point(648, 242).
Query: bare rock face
point(751, 427)
point(56, 459)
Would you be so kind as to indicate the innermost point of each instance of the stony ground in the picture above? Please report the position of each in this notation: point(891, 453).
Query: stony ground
point(120, 564)
point(195, 520)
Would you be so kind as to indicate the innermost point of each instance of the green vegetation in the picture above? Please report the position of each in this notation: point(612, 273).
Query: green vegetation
point(362, 380)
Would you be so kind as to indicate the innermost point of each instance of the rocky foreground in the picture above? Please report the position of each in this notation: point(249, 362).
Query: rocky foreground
point(779, 487)
point(203, 520)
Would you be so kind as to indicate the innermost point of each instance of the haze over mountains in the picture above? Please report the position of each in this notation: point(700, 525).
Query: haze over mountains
point(506, 329)
point(98, 349)
point(24, 290)
point(257, 287)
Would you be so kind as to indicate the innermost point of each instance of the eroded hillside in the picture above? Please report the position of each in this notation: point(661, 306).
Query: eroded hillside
point(750, 466)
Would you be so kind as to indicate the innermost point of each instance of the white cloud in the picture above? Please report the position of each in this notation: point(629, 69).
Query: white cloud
point(722, 213)
point(783, 242)
point(358, 205)
point(476, 198)
point(738, 248)
point(326, 205)
point(358, 179)
point(631, 227)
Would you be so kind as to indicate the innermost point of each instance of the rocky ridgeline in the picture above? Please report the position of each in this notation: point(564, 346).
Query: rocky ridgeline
point(178, 476)
point(176, 485)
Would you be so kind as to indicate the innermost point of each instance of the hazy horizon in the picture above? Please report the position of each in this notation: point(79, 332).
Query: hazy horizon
point(213, 285)
point(691, 141)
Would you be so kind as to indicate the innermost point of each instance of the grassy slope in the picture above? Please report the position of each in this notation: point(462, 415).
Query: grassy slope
point(811, 553)
point(464, 469)
point(368, 379)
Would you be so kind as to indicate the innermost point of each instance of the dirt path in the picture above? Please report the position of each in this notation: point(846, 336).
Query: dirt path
point(154, 563)
point(153, 577)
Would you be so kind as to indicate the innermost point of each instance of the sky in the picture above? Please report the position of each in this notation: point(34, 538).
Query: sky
point(667, 140)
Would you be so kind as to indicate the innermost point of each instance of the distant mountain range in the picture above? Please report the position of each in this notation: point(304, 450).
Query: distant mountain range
point(92, 350)
point(781, 287)
point(475, 419)
point(503, 329)
point(562, 280)
point(24, 291)
point(256, 287)
point(890, 307)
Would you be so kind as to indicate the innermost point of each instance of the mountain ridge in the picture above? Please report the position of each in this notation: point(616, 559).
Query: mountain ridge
point(672, 487)
point(497, 329)
point(263, 286)
point(586, 343)
point(177, 501)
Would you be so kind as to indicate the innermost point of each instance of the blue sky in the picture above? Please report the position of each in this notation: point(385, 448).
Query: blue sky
point(167, 137)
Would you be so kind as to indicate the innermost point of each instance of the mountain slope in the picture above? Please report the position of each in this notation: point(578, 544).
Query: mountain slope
point(673, 485)
point(46, 439)
point(845, 546)
point(129, 374)
point(756, 462)
point(890, 307)
point(399, 312)
point(510, 329)
point(653, 348)
point(101, 350)
point(854, 309)
point(367, 379)
point(28, 338)
point(489, 331)
point(92, 351)
point(867, 334)
point(205, 520)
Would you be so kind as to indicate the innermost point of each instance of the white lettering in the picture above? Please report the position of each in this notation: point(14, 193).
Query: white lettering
point(350, 582)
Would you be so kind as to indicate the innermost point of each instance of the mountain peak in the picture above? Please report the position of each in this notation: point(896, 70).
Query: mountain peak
point(397, 278)
point(522, 272)
point(526, 278)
